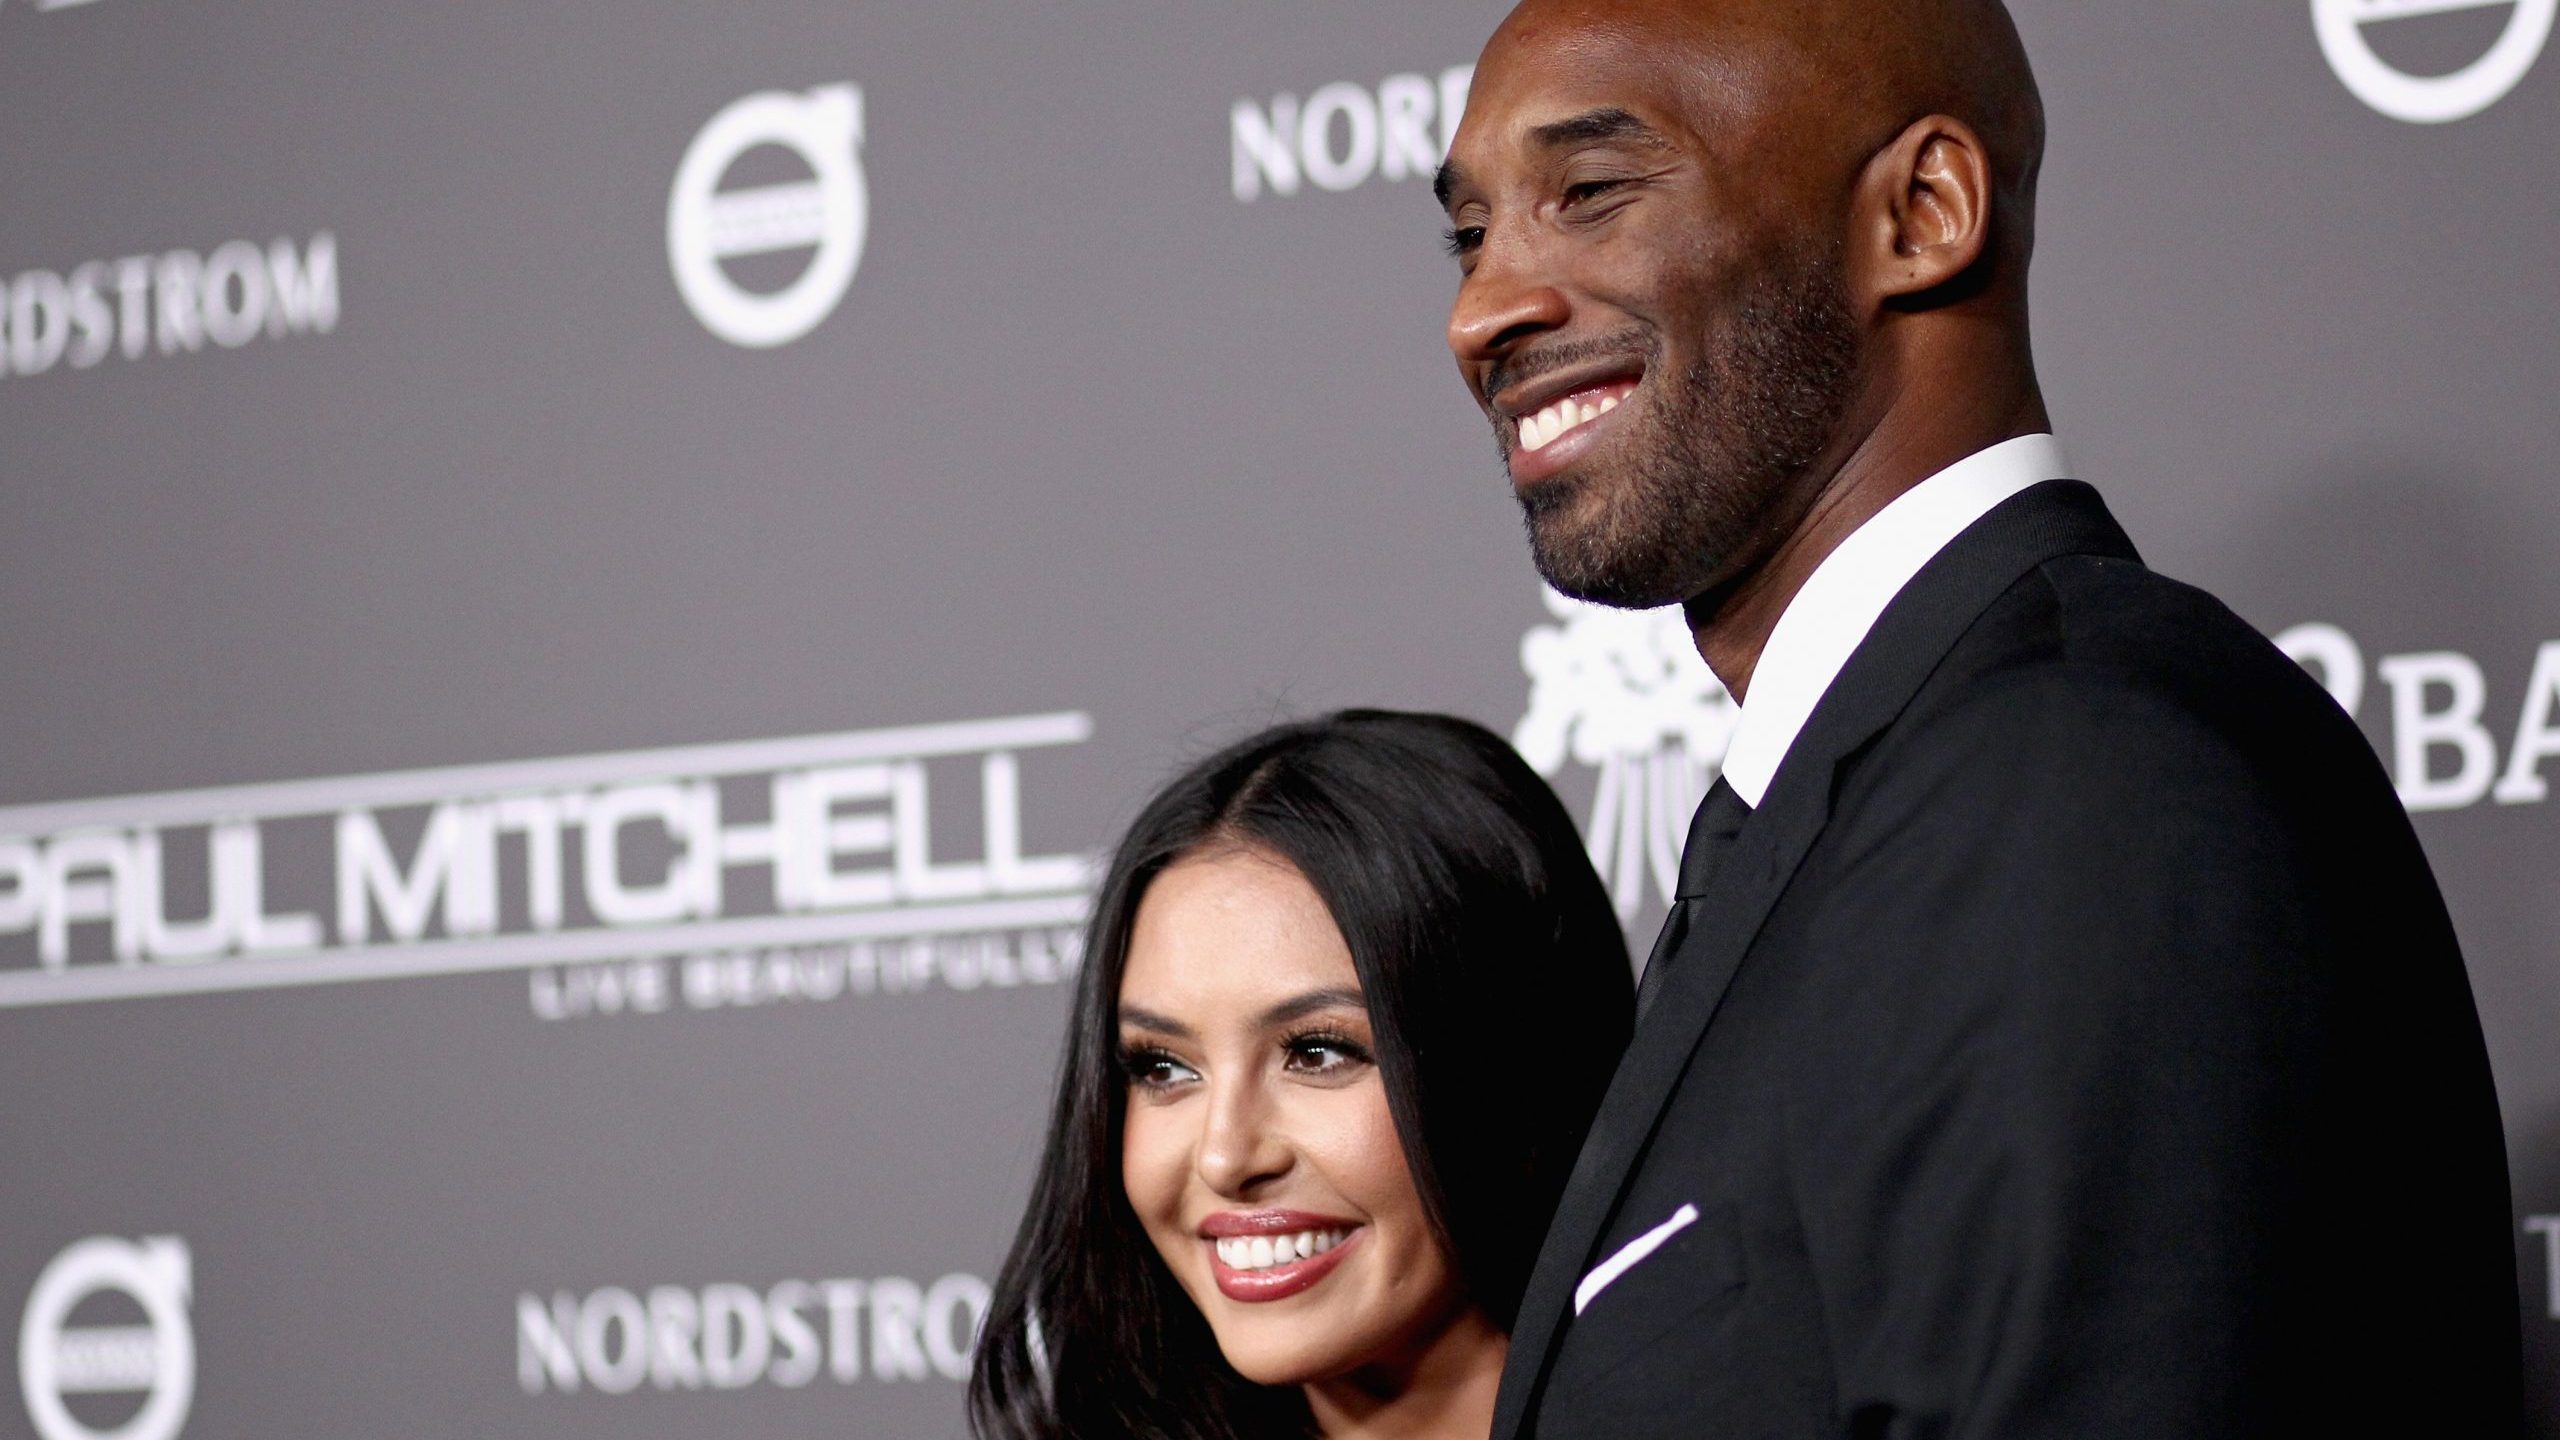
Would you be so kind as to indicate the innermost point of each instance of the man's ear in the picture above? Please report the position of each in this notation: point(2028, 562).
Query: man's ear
point(1924, 211)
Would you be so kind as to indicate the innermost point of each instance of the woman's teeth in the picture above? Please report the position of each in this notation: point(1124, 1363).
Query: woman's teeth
point(1261, 1252)
point(1543, 429)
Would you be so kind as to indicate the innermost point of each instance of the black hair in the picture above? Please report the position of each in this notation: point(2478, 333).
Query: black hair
point(1498, 988)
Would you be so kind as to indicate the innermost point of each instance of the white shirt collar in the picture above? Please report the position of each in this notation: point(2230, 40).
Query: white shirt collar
point(1840, 602)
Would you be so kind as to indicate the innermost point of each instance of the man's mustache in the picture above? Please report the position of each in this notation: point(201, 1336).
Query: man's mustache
point(1528, 365)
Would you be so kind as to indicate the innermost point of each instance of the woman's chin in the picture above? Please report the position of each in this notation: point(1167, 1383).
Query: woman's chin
point(1278, 1360)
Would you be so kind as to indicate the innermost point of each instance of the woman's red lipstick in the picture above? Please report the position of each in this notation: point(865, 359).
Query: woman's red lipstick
point(1274, 1282)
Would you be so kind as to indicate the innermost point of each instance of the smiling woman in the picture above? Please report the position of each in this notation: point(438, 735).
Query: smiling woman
point(1350, 997)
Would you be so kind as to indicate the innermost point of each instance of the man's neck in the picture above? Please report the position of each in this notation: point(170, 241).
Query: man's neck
point(1731, 624)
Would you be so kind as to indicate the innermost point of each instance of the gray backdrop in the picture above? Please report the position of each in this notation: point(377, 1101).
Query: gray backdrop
point(357, 427)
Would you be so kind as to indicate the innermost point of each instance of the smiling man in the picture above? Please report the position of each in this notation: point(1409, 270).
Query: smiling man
point(2058, 1031)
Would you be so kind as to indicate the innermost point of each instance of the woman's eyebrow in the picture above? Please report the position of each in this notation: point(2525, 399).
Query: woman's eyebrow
point(1311, 1002)
point(1146, 1019)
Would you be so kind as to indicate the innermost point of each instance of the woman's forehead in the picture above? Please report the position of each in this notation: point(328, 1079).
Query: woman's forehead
point(1232, 932)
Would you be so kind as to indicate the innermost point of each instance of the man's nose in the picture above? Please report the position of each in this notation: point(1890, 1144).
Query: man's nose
point(1242, 1147)
point(1505, 300)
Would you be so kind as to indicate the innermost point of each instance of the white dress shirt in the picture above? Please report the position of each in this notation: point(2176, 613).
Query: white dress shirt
point(1846, 593)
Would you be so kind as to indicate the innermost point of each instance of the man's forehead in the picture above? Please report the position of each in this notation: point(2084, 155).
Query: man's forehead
point(1558, 68)
point(1562, 103)
point(1549, 66)
point(1515, 112)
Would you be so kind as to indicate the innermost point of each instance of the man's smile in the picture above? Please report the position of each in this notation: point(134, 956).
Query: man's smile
point(1556, 420)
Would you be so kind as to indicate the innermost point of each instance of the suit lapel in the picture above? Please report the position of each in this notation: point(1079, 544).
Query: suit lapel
point(1908, 642)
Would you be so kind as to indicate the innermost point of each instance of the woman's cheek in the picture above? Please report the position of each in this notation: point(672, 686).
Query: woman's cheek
point(1357, 1138)
point(1151, 1168)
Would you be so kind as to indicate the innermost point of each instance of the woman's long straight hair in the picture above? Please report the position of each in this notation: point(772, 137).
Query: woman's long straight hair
point(1497, 984)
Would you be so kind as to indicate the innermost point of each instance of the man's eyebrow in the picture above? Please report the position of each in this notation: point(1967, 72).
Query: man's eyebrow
point(1446, 182)
point(1593, 126)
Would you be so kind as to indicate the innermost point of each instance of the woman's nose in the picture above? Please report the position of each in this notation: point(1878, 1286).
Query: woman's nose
point(1242, 1147)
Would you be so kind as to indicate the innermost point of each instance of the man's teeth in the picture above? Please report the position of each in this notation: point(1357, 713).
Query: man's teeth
point(1541, 430)
point(1261, 1252)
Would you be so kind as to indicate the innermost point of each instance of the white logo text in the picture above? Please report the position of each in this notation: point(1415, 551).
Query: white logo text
point(1343, 134)
point(172, 303)
point(753, 846)
point(733, 1337)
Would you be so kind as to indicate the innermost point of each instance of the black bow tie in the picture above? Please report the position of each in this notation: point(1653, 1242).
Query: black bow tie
point(1719, 819)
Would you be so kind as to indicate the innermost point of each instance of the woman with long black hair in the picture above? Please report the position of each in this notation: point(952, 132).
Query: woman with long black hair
point(1350, 996)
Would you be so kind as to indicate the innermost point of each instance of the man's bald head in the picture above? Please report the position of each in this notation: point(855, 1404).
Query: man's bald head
point(1814, 88)
point(1729, 250)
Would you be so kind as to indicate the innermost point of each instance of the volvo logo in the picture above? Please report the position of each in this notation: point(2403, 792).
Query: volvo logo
point(2430, 99)
point(707, 226)
point(155, 1359)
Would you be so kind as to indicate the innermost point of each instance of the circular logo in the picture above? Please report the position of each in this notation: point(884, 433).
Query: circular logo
point(831, 211)
point(156, 1359)
point(2430, 99)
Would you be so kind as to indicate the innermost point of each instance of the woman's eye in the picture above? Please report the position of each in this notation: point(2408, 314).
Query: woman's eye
point(1325, 1055)
point(1155, 1070)
point(1463, 241)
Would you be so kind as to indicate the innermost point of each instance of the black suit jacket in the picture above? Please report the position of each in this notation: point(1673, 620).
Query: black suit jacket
point(2073, 1043)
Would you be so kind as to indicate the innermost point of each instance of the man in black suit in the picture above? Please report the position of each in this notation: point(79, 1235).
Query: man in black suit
point(2058, 1031)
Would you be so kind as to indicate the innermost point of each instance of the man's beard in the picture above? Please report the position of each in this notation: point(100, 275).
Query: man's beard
point(1698, 481)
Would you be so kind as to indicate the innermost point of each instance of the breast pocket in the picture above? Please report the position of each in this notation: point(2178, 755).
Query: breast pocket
point(1665, 1303)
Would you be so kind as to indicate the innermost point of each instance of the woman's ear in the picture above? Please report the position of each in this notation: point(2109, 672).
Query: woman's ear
point(1924, 210)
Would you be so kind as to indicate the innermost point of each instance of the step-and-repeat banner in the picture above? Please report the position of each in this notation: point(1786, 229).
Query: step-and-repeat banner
point(581, 585)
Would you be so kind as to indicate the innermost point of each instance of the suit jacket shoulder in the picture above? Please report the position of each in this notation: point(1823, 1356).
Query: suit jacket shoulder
point(2102, 651)
point(2076, 1004)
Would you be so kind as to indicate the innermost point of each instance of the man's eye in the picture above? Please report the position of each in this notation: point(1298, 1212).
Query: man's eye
point(1463, 240)
point(1589, 190)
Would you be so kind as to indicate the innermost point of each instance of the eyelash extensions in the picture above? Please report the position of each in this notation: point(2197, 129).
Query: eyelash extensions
point(1140, 1063)
point(1352, 1050)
